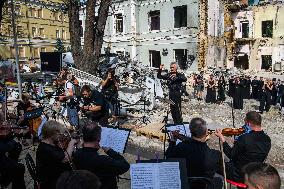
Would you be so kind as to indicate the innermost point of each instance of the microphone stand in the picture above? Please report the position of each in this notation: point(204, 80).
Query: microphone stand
point(165, 120)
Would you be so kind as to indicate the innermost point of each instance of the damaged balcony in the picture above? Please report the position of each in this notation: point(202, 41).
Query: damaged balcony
point(236, 5)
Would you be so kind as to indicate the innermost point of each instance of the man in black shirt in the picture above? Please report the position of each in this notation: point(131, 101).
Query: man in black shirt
point(175, 80)
point(110, 90)
point(249, 147)
point(52, 156)
point(200, 159)
point(10, 170)
point(106, 167)
point(94, 105)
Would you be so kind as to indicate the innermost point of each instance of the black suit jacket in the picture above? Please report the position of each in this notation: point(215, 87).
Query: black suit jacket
point(106, 167)
point(200, 159)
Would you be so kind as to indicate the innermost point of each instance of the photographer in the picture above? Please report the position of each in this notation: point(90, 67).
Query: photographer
point(110, 90)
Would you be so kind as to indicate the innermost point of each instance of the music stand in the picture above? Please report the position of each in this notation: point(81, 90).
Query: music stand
point(182, 167)
point(165, 120)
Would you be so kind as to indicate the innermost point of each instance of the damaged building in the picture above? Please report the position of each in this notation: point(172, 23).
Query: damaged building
point(154, 32)
point(252, 38)
point(259, 37)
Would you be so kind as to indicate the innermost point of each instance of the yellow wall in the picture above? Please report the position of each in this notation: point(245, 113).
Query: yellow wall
point(269, 12)
point(36, 30)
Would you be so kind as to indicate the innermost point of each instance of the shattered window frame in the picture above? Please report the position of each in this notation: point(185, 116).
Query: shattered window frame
point(154, 20)
point(245, 29)
point(180, 16)
point(266, 62)
point(156, 52)
point(181, 60)
point(119, 23)
point(267, 28)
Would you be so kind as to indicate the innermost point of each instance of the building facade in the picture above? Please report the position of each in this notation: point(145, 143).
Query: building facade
point(259, 33)
point(38, 23)
point(154, 32)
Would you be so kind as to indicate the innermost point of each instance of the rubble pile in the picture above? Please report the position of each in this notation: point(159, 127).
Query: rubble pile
point(220, 116)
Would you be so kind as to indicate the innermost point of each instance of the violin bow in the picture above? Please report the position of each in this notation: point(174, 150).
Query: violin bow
point(224, 165)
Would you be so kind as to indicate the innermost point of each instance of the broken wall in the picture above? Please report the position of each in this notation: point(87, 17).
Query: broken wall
point(266, 45)
point(137, 38)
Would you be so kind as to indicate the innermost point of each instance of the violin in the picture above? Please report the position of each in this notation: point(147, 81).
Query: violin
point(226, 132)
point(229, 131)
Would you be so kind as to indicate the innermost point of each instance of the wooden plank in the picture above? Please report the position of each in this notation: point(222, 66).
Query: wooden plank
point(152, 130)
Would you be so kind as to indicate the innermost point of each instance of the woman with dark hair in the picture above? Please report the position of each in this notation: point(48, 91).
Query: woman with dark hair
point(221, 89)
point(211, 91)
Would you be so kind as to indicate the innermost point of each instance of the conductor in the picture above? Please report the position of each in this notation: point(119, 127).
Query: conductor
point(174, 82)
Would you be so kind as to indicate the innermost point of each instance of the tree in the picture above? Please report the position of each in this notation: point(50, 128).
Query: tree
point(2, 2)
point(59, 47)
point(87, 59)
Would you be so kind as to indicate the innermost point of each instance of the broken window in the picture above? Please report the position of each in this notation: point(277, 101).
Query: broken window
point(154, 18)
point(242, 61)
point(155, 58)
point(245, 29)
point(181, 58)
point(119, 23)
point(266, 61)
point(267, 28)
point(180, 14)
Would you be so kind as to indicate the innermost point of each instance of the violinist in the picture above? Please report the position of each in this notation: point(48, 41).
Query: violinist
point(22, 107)
point(10, 170)
point(106, 167)
point(53, 156)
point(201, 161)
point(249, 147)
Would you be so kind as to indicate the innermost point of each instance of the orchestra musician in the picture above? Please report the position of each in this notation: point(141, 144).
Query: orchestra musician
point(10, 170)
point(106, 167)
point(174, 80)
point(252, 146)
point(94, 105)
point(53, 154)
point(110, 90)
point(201, 161)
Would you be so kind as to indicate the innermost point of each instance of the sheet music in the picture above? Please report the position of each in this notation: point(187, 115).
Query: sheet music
point(164, 175)
point(143, 176)
point(114, 138)
point(183, 129)
point(169, 175)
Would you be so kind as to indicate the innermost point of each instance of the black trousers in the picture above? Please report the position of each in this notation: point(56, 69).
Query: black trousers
point(12, 171)
point(176, 108)
point(265, 101)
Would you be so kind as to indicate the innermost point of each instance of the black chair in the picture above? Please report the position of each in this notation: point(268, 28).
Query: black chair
point(208, 183)
point(32, 170)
